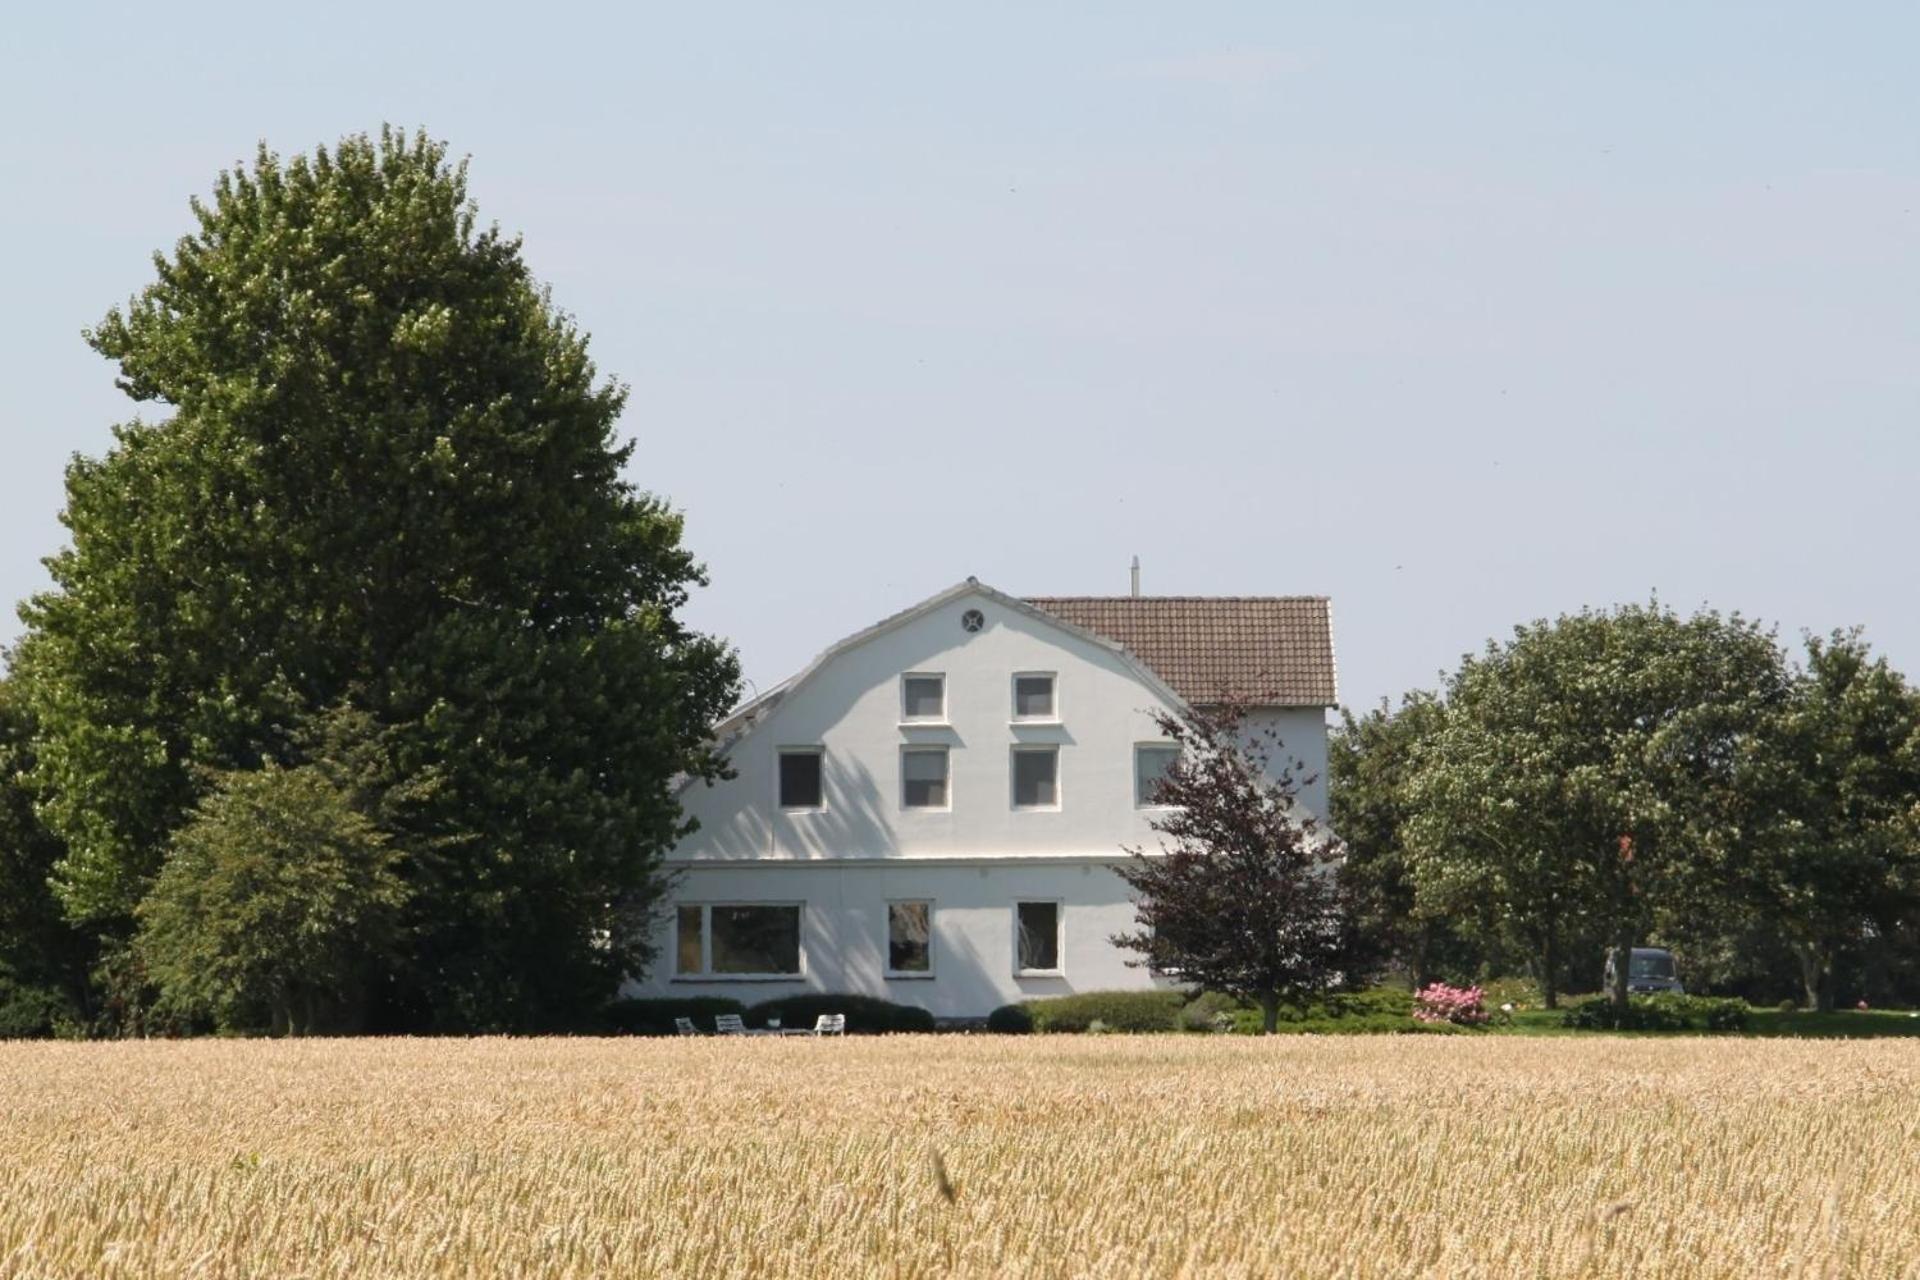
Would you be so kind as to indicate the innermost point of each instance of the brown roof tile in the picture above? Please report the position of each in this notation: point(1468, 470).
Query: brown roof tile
point(1267, 650)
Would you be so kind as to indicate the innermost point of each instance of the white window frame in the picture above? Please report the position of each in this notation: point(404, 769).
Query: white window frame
point(946, 753)
point(1013, 780)
point(779, 801)
point(1013, 697)
point(909, 975)
point(1140, 801)
point(706, 973)
point(905, 676)
point(1059, 938)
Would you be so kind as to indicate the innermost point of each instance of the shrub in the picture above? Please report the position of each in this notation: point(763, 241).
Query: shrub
point(1438, 1002)
point(1157, 1010)
point(864, 1013)
point(1010, 1020)
point(1658, 1013)
point(1789, 1005)
point(1209, 1011)
point(655, 1017)
point(1521, 993)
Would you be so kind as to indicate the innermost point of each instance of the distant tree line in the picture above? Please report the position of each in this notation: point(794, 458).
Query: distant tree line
point(360, 694)
point(1632, 776)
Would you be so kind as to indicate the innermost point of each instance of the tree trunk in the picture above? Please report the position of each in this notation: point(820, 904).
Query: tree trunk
point(1816, 975)
point(1549, 967)
point(1417, 960)
point(1269, 1014)
point(1622, 965)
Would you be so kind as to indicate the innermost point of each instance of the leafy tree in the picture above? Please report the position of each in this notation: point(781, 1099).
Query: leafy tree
point(274, 903)
point(1588, 772)
point(1835, 856)
point(1244, 896)
point(386, 474)
point(43, 959)
point(1371, 763)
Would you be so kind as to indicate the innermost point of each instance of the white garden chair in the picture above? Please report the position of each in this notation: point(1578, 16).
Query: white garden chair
point(830, 1024)
point(729, 1024)
point(685, 1027)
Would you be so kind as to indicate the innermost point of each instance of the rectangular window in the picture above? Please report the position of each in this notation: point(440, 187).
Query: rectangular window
point(910, 937)
point(1038, 943)
point(923, 698)
point(1151, 760)
point(756, 939)
point(800, 778)
point(1036, 777)
point(690, 946)
point(923, 772)
point(1033, 697)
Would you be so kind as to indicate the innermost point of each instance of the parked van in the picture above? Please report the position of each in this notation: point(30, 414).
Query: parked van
point(1649, 972)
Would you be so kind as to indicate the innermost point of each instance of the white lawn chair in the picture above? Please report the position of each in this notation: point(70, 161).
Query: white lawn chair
point(685, 1027)
point(830, 1024)
point(729, 1024)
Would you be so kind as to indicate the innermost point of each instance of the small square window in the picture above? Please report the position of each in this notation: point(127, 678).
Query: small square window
point(1036, 777)
point(923, 772)
point(800, 778)
point(923, 697)
point(1037, 946)
point(1151, 761)
point(1033, 697)
point(910, 937)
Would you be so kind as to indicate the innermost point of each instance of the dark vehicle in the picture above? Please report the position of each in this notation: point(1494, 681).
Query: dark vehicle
point(1649, 972)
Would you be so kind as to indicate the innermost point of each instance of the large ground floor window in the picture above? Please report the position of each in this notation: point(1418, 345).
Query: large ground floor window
point(737, 939)
point(1036, 937)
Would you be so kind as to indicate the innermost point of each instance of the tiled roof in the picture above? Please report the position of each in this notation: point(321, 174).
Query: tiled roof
point(1274, 651)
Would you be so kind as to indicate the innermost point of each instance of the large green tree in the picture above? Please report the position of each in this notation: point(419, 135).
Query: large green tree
point(43, 958)
point(384, 472)
point(1589, 772)
point(1834, 853)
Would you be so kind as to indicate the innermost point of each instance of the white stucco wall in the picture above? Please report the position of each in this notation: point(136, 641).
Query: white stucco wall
point(973, 860)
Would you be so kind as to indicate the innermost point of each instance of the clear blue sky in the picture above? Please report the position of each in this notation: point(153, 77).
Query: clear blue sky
point(1460, 314)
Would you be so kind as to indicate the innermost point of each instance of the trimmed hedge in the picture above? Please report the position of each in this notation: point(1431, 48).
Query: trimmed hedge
point(1658, 1013)
point(1114, 1010)
point(864, 1013)
point(655, 1017)
point(1010, 1020)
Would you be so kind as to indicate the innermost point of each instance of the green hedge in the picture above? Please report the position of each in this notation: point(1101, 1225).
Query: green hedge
point(1010, 1020)
point(1658, 1013)
point(1113, 1010)
point(864, 1013)
point(655, 1017)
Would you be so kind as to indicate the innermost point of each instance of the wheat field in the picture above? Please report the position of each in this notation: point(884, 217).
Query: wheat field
point(925, 1156)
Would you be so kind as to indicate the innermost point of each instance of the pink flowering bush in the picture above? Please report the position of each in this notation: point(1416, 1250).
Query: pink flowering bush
point(1438, 1002)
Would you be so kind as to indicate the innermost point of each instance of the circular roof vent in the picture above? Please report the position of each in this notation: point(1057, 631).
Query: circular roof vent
point(972, 620)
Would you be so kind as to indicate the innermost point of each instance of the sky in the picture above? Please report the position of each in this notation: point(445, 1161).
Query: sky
point(1462, 314)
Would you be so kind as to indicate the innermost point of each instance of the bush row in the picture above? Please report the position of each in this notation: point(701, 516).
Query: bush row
point(1658, 1013)
point(864, 1013)
point(1380, 1009)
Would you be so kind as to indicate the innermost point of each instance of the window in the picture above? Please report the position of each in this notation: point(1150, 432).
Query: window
point(690, 949)
point(923, 698)
point(738, 940)
point(1033, 697)
point(800, 778)
point(910, 937)
point(1151, 760)
point(1037, 941)
point(1036, 777)
point(923, 772)
point(756, 939)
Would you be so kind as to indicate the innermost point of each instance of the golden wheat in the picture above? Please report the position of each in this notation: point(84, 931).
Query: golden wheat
point(922, 1156)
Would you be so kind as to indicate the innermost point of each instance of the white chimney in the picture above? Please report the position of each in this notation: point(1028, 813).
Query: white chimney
point(1136, 577)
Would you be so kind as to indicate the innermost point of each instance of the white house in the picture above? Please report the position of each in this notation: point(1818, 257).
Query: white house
point(931, 812)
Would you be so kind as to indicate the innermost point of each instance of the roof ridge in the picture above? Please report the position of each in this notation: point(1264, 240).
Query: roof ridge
point(1195, 599)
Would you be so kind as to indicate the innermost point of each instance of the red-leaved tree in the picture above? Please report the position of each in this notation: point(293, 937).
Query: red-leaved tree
point(1244, 895)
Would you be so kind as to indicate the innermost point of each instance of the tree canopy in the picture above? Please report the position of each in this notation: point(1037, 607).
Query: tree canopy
point(384, 473)
point(1244, 895)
